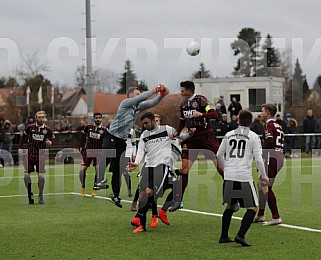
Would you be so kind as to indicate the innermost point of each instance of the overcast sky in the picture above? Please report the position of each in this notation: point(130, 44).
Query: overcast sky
point(153, 34)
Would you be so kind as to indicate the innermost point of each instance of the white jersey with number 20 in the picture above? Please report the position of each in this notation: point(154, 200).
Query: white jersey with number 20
point(236, 154)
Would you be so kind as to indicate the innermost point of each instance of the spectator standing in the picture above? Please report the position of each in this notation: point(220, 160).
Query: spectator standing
point(66, 126)
point(215, 122)
point(309, 124)
point(15, 143)
point(1, 126)
point(292, 128)
point(235, 107)
point(234, 123)
point(21, 127)
point(223, 107)
point(287, 117)
point(218, 109)
point(222, 128)
point(31, 120)
point(257, 126)
point(81, 126)
point(281, 122)
point(7, 136)
point(318, 130)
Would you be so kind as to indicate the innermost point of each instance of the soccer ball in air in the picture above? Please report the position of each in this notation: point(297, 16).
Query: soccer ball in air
point(193, 48)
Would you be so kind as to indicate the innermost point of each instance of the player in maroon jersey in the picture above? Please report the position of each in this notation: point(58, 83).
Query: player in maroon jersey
point(39, 136)
point(273, 156)
point(91, 139)
point(195, 114)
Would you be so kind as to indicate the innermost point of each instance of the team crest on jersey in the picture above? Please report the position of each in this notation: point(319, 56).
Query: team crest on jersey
point(38, 137)
point(101, 131)
point(194, 104)
point(45, 131)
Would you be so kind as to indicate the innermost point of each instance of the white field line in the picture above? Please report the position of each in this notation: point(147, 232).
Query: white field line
point(184, 210)
point(109, 173)
point(209, 214)
point(45, 194)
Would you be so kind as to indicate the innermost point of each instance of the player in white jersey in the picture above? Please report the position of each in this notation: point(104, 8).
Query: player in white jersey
point(236, 156)
point(156, 144)
point(176, 155)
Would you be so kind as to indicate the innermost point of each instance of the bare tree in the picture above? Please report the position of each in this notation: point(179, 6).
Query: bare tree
point(80, 76)
point(106, 80)
point(31, 66)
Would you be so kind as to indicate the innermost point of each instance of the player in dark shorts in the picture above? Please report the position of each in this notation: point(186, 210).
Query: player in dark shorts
point(195, 113)
point(92, 136)
point(39, 136)
point(155, 147)
point(273, 155)
point(236, 154)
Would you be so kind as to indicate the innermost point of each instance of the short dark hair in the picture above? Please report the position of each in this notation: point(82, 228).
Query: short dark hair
point(131, 90)
point(271, 108)
point(148, 115)
point(245, 118)
point(98, 114)
point(189, 85)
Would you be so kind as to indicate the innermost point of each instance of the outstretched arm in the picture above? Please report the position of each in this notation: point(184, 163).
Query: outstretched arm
point(129, 102)
point(163, 91)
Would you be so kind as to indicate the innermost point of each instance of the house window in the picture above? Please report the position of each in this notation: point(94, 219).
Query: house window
point(257, 97)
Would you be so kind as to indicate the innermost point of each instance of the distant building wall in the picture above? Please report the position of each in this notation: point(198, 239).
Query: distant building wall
point(251, 92)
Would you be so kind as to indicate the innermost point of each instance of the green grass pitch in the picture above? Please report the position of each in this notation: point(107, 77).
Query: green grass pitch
point(68, 226)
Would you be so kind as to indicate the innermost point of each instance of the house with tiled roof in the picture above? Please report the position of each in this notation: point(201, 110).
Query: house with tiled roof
point(74, 103)
point(70, 99)
point(8, 98)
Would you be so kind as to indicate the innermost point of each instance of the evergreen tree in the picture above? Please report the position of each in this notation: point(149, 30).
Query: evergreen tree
point(300, 89)
point(8, 82)
point(3, 82)
point(317, 84)
point(142, 85)
point(128, 78)
point(315, 96)
point(245, 48)
point(202, 72)
point(286, 73)
point(268, 62)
